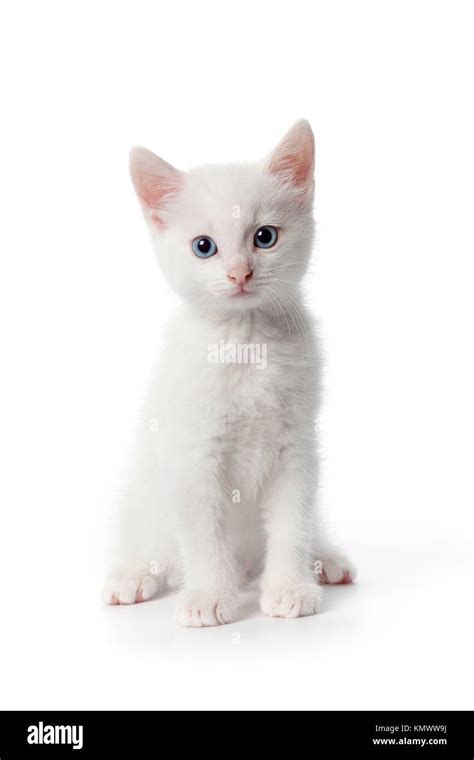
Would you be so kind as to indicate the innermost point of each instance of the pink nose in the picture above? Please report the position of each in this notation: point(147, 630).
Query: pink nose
point(239, 274)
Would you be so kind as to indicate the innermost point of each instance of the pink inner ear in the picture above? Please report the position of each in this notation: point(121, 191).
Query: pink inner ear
point(154, 189)
point(296, 166)
point(294, 156)
point(154, 180)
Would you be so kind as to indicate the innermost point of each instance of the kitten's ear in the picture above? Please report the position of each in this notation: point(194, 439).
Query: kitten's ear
point(294, 156)
point(155, 181)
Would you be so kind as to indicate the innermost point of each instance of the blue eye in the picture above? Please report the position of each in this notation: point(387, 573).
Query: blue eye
point(204, 247)
point(265, 237)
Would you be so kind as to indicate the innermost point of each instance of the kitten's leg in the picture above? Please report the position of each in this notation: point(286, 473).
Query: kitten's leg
point(289, 587)
point(145, 553)
point(210, 578)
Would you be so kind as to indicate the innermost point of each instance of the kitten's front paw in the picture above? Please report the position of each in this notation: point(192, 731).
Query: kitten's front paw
point(199, 609)
point(292, 602)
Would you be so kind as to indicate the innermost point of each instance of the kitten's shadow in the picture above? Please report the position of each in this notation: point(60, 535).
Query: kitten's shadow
point(336, 594)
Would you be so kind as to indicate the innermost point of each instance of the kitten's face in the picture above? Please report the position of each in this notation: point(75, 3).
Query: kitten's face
point(232, 237)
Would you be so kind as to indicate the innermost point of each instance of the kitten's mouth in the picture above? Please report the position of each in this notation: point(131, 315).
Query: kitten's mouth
point(242, 292)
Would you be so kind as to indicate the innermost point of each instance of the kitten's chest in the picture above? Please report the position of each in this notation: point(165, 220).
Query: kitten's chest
point(249, 391)
point(237, 383)
point(248, 413)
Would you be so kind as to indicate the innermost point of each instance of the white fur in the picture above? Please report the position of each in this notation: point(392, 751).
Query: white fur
point(223, 487)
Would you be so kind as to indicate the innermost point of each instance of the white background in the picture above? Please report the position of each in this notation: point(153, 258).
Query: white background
point(387, 87)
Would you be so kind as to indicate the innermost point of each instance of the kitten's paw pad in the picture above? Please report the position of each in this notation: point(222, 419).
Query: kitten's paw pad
point(335, 569)
point(293, 602)
point(130, 589)
point(199, 609)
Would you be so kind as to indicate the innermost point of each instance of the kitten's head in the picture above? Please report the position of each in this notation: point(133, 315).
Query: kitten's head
point(232, 237)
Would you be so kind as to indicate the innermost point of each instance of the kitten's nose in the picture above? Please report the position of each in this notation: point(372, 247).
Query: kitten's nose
point(240, 274)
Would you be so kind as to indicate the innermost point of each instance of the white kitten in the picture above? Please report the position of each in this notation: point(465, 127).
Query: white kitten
point(224, 484)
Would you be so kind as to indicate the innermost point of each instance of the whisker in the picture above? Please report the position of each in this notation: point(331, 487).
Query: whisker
point(293, 309)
